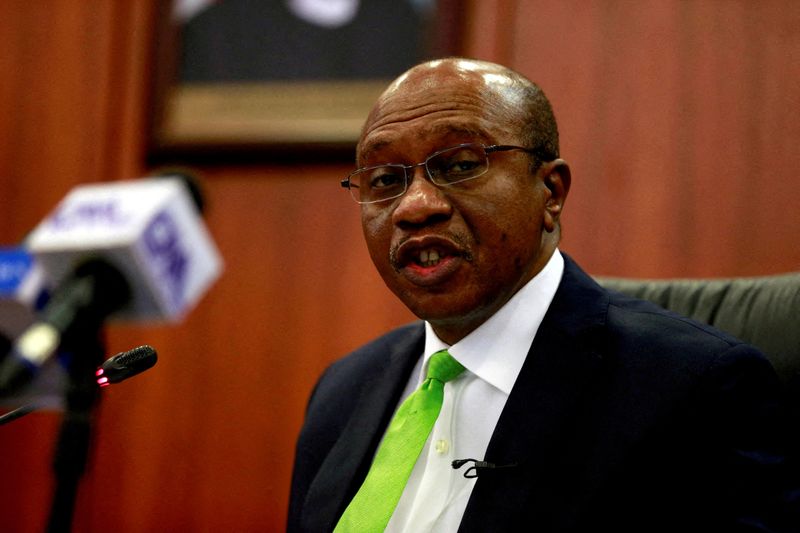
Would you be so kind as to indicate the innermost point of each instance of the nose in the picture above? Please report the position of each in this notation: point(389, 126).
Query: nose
point(423, 202)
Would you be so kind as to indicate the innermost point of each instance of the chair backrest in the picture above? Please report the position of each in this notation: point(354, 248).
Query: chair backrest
point(762, 311)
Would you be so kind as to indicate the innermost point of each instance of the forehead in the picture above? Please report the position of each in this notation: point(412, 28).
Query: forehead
point(427, 110)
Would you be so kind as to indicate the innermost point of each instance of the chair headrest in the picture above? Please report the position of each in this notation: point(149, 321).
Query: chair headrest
point(762, 311)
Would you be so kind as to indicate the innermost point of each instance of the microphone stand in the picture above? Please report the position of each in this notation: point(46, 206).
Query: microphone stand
point(72, 448)
point(86, 351)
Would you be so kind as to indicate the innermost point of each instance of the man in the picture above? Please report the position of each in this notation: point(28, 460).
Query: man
point(578, 409)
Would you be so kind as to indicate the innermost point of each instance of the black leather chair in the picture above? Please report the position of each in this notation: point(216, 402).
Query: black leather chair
point(762, 311)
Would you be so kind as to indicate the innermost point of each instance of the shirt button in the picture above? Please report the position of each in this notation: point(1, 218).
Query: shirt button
point(441, 446)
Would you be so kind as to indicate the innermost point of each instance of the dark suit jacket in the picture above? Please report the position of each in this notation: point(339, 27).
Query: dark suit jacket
point(624, 418)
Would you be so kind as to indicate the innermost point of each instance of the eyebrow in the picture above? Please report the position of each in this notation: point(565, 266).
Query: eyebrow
point(438, 129)
point(371, 148)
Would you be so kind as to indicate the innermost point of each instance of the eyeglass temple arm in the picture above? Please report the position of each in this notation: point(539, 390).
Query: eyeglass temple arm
point(538, 152)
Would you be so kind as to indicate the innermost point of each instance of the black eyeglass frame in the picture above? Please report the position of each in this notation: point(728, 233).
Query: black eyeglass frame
point(345, 183)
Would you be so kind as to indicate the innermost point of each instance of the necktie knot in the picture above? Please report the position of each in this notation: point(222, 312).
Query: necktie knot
point(443, 367)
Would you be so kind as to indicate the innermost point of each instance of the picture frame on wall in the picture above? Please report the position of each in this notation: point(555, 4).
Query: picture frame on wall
point(267, 75)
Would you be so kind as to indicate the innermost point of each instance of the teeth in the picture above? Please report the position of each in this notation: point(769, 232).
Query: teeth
point(428, 258)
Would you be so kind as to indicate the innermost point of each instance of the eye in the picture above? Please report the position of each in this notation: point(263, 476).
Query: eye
point(462, 166)
point(386, 177)
point(458, 164)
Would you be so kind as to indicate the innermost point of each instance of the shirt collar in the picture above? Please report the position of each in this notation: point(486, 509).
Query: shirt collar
point(496, 350)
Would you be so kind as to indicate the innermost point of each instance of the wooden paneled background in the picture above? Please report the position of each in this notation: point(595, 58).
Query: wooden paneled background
point(680, 118)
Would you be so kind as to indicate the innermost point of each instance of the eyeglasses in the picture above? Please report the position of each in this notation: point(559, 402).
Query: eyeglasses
point(445, 167)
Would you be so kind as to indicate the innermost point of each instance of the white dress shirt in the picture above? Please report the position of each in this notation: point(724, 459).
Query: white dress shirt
point(436, 495)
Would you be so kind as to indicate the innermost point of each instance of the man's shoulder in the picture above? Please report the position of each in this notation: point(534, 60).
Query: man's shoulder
point(374, 354)
point(632, 322)
point(643, 319)
point(341, 385)
point(646, 343)
point(374, 357)
point(659, 346)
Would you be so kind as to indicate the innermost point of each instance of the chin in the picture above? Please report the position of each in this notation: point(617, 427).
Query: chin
point(439, 308)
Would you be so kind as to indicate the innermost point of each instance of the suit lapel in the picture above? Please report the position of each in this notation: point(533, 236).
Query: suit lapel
point(345, 467)
point(540, 414)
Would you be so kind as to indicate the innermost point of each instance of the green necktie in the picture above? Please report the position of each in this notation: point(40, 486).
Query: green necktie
point(374, 503)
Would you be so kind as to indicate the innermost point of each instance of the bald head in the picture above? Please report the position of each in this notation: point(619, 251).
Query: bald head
point(518, 103)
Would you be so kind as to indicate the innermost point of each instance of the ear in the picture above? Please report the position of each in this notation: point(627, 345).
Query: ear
point(557, 177)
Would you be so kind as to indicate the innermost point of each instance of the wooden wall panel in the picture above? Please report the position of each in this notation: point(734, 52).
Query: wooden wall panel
point(72, 110)
point(680, 123)
point(678, 119)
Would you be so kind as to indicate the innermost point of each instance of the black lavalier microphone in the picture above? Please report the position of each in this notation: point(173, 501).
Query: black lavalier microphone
point(478, 467)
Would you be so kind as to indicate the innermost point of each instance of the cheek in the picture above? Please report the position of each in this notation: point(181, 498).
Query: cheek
point(377, 237)
point(370, 224)
point(515, 233)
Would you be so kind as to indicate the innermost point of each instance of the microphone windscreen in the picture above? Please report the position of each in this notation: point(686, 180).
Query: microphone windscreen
point(126, 364)
point(148, 229)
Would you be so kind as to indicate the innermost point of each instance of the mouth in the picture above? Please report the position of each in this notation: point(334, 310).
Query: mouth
point(429, 260)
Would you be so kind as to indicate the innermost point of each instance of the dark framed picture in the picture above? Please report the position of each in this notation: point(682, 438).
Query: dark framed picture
point(278, 74)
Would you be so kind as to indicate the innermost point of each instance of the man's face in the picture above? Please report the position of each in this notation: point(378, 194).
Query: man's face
point(455, 255)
